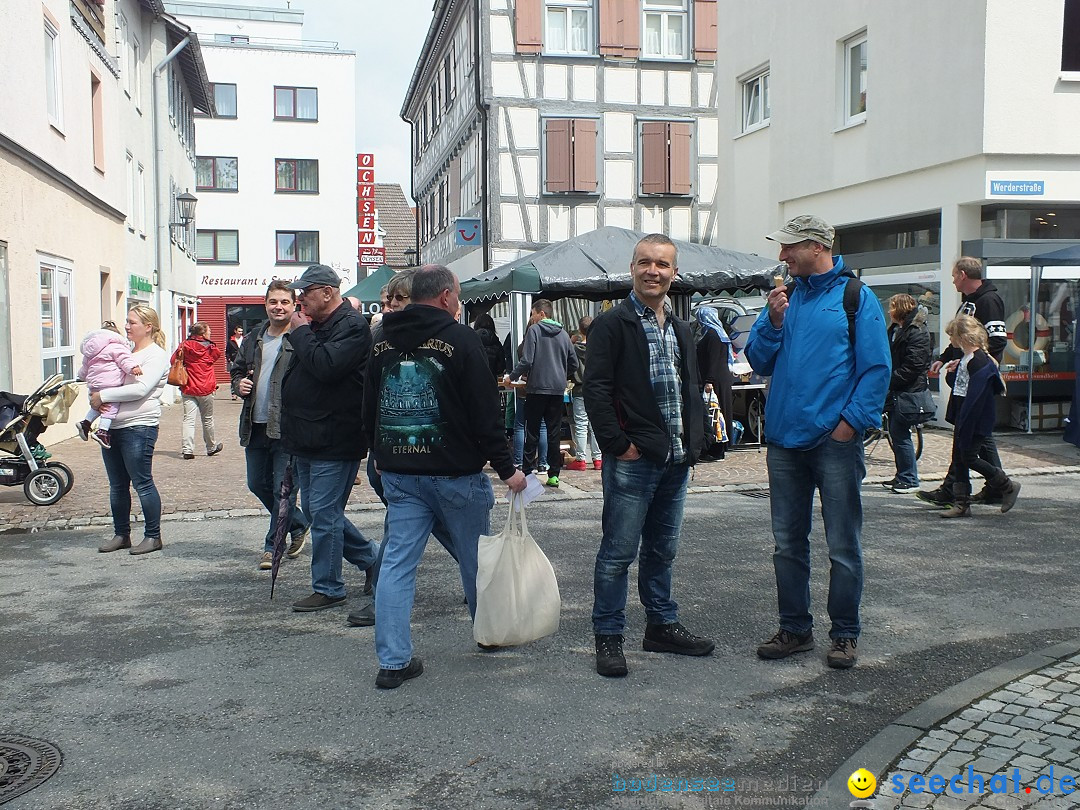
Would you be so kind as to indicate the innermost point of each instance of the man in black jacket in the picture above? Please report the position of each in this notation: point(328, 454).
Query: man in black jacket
point(322, 397)
point(431, 410)
point(982, 302)
point(641, 394)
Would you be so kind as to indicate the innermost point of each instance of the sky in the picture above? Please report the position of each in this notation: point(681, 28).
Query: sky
point(387, 37)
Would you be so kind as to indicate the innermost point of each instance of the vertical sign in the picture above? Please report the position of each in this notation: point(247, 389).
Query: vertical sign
point(365, 211)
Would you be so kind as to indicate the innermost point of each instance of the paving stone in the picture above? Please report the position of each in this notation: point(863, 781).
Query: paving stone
point(1034, 749)
point(1064, 743)
point(1000, 717)
point(1027, 722)
point(1005, 742)
point(914, 766)
point(1069, 720)
point(986, 765)
point(1037, 764)
point(991, 752)
point(1035, 680)
point(953, 802)
point(989, 705)
point(1013, 709)
point(997, 728)
point(917, 800)
point(1071, 700)
point(1059, 755)
point(958, 725)
point(1058, 686)
point(952, 761)
point(1027, 700)
point(1038, 693)
point(942, 734)
point(974, 714)
point(1055, 728)
point(976, 735)
point(934, 743)
point(923, 755)
point(1040, 714)
point(1001, 801)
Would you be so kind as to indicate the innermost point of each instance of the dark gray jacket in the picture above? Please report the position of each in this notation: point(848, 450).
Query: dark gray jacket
point(547, 359)
point(248, 360)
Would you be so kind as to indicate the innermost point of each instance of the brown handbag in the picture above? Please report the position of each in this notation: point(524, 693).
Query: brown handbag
point(178, 375)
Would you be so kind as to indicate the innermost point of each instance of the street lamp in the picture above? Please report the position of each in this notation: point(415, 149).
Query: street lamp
point(410, 256)
point(185, 203)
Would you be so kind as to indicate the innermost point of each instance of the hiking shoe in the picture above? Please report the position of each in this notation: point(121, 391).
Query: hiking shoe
point(610, 661)
point(892, 482)
point(785, 643)
point(102, 438)
point(364, 617)
point(393, 678)
point(905, 489)
point(1009, 495)
point(842, 653)
point(598, 464)
point(674, 638)
point(217, 449)
point(937, 497)
point(577, 465)
point(188, 456)
point(84, 429)
point(553, 481)
point(296, 543)
point(266, 561)
point(317, 601)
point(987, 497)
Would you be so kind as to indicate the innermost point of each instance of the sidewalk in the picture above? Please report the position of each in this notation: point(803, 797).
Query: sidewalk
point(216, 487)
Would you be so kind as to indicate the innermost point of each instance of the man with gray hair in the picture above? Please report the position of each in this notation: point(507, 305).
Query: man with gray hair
point(431, 414)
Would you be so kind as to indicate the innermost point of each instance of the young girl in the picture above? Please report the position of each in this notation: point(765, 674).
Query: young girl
point(106, 362)
point(975, 382)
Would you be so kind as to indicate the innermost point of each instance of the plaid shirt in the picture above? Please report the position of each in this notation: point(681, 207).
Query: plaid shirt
point(664, 361)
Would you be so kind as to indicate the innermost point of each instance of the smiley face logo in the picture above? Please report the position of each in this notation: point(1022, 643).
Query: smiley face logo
point(862, 784)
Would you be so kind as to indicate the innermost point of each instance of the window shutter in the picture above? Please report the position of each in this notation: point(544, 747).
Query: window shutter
point(557, 165)
point(528, 26)
point(610, 37)
point(630, 27)
point(705, 30)
point(654, 157)
point(679, 158)
point(455, 187)
point(584, 152)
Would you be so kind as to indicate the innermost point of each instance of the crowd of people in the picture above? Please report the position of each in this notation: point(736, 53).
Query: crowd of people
point(417, 394)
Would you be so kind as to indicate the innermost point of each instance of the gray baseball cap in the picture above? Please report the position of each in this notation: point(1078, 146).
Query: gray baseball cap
point(316, 274)
point(802, 228)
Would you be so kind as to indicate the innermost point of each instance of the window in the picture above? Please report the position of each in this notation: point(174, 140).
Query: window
point(1070, 37)
point(665, 23)
point(232, 39)
point(224, 96)
point(855, 79)
point(216, 174)
point(129, 168)
point(222, 247)
point(755, 104)
point(297, 247)
point(570, 155)
point(298, 176)
point(140, 200)
point(568, 27)
point(123, 42)
point(665, 158)
point(296, 103)
point(57, 340)
point(53, 86)
point(135, 72)
point(97, 116)
point(449, 80)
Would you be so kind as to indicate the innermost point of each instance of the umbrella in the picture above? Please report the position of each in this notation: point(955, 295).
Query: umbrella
point(367, 290)
point(284, 518)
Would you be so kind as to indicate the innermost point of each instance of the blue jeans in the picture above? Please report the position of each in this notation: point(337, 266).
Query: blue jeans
point(907, 471)
point(129, 463)
point(414, 504)
point(585, 446)
point(266, 462)
point(643, 505)
point(836, 470)
point(519, 436)
point(324, 487)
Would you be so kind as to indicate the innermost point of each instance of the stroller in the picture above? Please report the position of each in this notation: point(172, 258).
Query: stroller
point(24, 460)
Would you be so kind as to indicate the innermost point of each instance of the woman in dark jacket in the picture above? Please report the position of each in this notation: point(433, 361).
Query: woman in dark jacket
point(485, 328)
point(714, 371)
point(910, 343)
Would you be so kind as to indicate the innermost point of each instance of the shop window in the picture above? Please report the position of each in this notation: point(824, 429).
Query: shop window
point(57, 320)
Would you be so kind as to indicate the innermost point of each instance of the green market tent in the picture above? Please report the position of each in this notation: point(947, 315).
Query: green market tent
point(596, 266)
point(368, 289)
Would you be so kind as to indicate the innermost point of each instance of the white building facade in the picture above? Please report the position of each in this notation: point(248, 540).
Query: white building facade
point(276, 165)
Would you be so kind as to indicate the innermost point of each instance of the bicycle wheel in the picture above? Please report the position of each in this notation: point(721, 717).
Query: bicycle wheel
point(916, 440)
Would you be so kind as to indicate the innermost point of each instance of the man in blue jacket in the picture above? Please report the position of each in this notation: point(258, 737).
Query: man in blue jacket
point(828, 386)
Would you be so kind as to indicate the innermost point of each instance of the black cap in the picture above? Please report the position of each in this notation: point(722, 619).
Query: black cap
point(316, 274)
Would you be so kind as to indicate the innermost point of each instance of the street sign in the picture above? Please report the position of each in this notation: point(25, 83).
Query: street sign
point(372, 256)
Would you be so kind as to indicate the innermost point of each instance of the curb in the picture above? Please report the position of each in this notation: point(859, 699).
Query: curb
point(885, 748)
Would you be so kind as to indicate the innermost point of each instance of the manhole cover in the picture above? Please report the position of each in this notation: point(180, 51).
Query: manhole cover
point(25, 764)
point(755, 493)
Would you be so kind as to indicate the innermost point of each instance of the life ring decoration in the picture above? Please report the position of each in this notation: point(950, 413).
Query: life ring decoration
point(1018, 338)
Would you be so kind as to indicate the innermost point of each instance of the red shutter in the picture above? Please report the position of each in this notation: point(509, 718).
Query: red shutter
point(559, 152)
point(654, 157)
point(705, 30)
point(212, 312)
point(630, 27)
point(584, 152)
point(679, 158)
point(528, 26)
point(610, 34)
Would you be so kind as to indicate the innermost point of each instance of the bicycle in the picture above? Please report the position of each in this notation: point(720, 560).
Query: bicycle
point(874, 435)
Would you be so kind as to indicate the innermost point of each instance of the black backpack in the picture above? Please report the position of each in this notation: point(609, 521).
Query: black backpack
point(852, 291)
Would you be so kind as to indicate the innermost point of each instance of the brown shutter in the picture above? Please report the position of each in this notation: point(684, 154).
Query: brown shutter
point(528, 26)
point(630, 27)
point(705, 30)
point(610, 36)
point(679, 158)
point(584, 151)
point(558, 147)
point(654, 157)
point(455, 188)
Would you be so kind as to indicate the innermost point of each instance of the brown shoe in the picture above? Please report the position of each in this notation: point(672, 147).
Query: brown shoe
point(266, 562)
point(118, 542)
point(146, 546)
point(296, 543)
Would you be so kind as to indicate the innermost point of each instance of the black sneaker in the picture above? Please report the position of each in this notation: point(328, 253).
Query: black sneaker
point(393, 678)
point(892, 482)
point(369, 580)
point(842, 653)
point(216, 449)
point(674, 638)
point(317, 601)
point(987, 497)
point(610, 661)
point(83, 428)
point(785, 643)
point(364, 617)
point(937, 497)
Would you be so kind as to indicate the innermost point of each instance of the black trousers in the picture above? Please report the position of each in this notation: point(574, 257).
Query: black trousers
point(986, 450)
point(547, 408)
point(971, 459)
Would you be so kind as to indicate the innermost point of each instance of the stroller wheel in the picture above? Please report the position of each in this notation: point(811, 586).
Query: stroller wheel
point(65, 473)
point(44, 487)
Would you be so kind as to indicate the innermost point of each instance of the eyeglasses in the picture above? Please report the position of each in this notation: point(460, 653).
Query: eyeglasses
point(306, 290)
point(399, 297)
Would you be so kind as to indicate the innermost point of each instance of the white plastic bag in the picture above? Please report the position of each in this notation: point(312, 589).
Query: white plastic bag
point(517, 595)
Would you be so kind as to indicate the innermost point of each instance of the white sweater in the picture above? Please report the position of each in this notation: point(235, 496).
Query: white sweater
point(140, 397)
